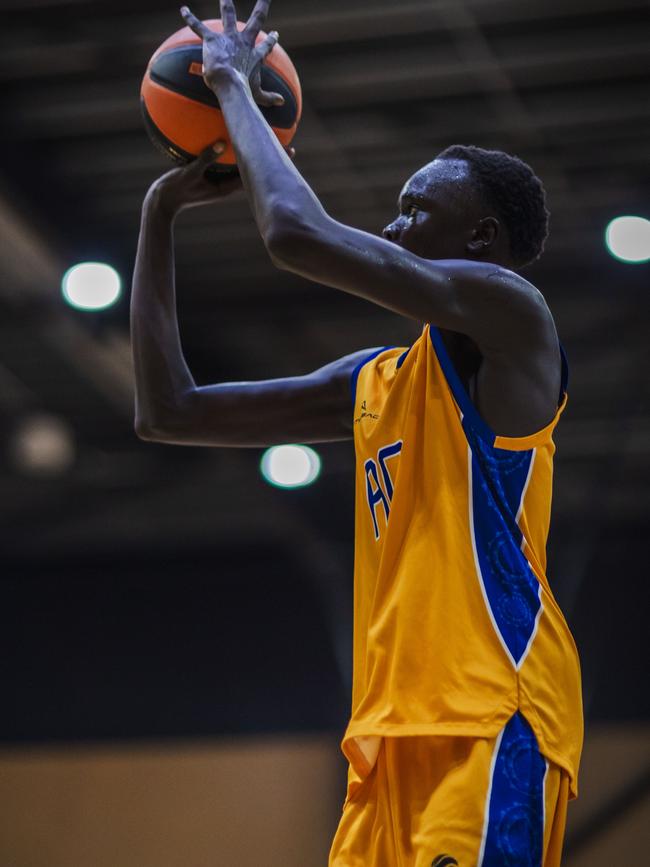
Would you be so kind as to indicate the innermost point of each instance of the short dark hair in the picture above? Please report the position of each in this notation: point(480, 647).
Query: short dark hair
point(512, 188)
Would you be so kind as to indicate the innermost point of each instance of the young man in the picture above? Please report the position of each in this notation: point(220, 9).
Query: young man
point(466, 724)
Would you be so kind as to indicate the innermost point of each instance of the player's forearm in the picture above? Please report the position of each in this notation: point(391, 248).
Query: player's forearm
point(275, 188)
point(163, 382)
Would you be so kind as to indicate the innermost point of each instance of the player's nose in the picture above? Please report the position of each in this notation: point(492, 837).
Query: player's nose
point(390, 233)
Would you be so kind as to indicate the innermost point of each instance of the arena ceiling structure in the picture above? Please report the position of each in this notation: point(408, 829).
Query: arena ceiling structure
point(123, 539)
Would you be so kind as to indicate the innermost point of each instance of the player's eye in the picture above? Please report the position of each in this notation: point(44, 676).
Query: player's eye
point(411, 211)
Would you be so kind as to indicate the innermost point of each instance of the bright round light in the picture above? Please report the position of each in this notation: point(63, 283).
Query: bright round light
point(290, 466)
point(91, 286)
point(628, 239)
point(42, 445)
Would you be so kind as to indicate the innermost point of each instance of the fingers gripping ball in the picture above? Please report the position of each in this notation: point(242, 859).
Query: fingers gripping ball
point(181, 113)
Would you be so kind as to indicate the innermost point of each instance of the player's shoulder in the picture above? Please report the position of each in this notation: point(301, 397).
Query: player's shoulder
point(516, 310)
point(344, 366)
point(529, 305)
point(529, 339)
point(497, 281)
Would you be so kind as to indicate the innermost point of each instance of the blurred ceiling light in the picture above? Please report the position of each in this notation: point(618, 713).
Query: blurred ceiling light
point(91, 286)
point(42, 445)
point(628, 239)
point(290, 466)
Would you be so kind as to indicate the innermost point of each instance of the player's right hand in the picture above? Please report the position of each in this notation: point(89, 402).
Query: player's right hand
point(189, 186)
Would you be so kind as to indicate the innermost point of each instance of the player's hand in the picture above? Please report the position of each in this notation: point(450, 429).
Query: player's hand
point(188, 186)
point(193, 185)
point(236, 50)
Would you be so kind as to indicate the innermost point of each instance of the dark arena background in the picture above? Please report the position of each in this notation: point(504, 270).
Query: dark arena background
point(175, 632)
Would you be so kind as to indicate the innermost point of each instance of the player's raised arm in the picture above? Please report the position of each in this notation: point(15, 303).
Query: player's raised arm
point(453, 222)
point(170, 407)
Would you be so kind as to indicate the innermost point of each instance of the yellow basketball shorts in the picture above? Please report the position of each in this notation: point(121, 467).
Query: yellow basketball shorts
point(444, 801)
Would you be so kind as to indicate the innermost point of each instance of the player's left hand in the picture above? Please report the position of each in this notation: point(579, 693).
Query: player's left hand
point(234, 49)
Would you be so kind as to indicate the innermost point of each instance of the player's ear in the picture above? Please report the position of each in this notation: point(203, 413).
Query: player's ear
point(483, 236)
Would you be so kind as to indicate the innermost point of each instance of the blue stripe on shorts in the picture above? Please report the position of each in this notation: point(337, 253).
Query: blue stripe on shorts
point(514, 836)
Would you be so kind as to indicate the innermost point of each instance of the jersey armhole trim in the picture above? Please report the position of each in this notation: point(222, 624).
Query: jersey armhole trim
point(472, 415)
point(357, 370)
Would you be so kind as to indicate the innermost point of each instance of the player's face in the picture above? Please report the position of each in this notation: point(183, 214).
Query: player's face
point(437, 209)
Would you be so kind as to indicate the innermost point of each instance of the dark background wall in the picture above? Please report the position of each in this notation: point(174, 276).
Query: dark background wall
point(159, 594)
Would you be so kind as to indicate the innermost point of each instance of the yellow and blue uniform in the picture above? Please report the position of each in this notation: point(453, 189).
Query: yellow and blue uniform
point(458, 641)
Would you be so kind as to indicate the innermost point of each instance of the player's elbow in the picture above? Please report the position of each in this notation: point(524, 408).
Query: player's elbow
point(281, 241)
point(170, 426)
point(169, 434)
point(147, 432)
point(291, 239)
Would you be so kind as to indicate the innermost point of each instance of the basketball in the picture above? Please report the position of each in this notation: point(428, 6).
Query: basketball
point(181, 113)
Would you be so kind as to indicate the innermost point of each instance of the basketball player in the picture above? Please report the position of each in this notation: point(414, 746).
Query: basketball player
point(466, 726)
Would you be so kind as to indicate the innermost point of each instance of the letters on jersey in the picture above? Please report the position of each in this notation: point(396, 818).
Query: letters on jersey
point(380, 490)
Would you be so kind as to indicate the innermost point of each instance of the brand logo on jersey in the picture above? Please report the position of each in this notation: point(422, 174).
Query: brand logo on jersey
point(379, 491)
point(444, 861)
point(365, 413)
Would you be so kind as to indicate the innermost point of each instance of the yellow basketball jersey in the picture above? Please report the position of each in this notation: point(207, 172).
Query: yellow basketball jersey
point(455, 625)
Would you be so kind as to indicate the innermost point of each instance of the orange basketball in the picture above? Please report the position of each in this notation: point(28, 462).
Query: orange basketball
point(181, 113)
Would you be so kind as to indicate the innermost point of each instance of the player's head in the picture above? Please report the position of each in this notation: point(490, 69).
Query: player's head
point(471, 203)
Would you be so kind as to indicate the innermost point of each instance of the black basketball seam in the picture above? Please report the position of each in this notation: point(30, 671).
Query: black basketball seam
point(206, 97)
